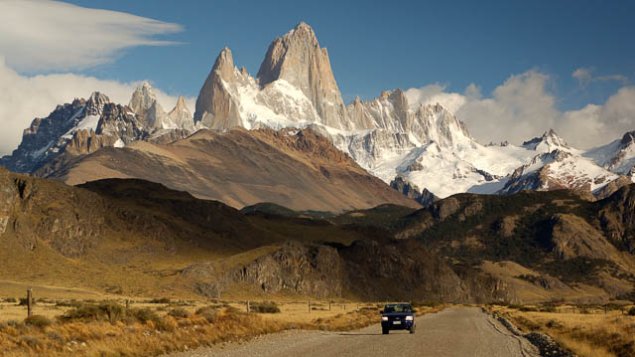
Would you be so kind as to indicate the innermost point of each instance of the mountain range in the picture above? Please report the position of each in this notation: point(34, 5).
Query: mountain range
point(422, 150)
point(138, 238)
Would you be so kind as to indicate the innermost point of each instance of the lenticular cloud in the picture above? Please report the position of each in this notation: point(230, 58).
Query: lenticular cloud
point(38, 36)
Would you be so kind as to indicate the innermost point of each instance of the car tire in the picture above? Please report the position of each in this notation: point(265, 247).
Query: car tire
point(384, 331)
point(412, 329)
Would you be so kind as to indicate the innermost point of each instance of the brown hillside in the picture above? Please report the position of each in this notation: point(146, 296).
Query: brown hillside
point(539, 245)
point(133, 237)
point(296, 169)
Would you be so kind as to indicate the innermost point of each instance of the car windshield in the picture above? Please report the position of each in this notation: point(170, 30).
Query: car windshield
point(397, 308)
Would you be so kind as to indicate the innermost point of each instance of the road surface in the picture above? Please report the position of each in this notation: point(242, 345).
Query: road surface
point(458, 331)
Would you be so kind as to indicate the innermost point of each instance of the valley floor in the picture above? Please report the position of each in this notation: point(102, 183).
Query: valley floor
point(457, 331)
point(157, 326)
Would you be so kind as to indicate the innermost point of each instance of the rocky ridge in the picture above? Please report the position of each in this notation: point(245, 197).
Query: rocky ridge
point(85, 126)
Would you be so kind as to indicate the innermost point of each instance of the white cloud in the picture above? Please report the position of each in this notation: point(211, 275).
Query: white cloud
point(37, 35)
point(432, 94)
point(522, 107)
point(595, 125)
point(585, 77)
point(23, 98)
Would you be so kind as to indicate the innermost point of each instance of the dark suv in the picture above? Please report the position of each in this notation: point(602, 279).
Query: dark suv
point(400, 316)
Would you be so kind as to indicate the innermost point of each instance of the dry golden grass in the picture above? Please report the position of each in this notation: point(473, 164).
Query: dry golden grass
point(587, 331)
point(131, 339)
point(11, 311)
point(198, 325)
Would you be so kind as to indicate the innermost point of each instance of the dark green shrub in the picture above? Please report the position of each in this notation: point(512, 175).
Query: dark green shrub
point(112, 310)
point(144, 315)
point(548, 308)
point(265, 307)
point(631, 311)
point(109, 311)
point(83, 312)
point(210, 313)
point(23, 302)
point(179, 313)
point(69, 303)
point(159, 301)
point(38, 321)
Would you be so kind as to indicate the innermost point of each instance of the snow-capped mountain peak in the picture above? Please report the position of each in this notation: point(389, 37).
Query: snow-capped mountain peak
point(95, 103)
point(559, 169)
point(298, 59)
point(548, 142)
point(617, 156)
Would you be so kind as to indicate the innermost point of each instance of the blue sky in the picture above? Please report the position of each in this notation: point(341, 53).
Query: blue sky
point(510, 70)
point(377, 45)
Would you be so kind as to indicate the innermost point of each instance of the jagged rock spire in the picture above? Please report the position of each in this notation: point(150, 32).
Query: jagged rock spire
point(95, 104)
point(549, 141)
point(144, 103)
point(216, 108)
point(298, 59)
point(181, 115)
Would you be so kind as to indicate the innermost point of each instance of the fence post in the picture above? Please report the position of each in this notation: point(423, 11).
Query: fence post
point(29, 302)
point(248, 307)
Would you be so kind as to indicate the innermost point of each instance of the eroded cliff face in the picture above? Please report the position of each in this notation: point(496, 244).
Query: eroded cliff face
point(367, 270)
point(617, 217)
point(30, 216)
point(308, 270)
point(305, 269)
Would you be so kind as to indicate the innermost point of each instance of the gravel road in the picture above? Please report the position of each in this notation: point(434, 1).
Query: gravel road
point(459, 331)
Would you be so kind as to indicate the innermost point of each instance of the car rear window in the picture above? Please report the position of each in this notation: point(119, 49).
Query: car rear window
point(398, 308)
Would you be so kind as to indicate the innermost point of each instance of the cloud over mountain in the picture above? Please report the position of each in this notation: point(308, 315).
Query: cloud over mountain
point(40, 37)
point(523, 106)
point(23, 98)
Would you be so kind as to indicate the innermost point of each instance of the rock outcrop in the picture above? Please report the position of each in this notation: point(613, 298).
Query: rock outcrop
point(425, 197)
